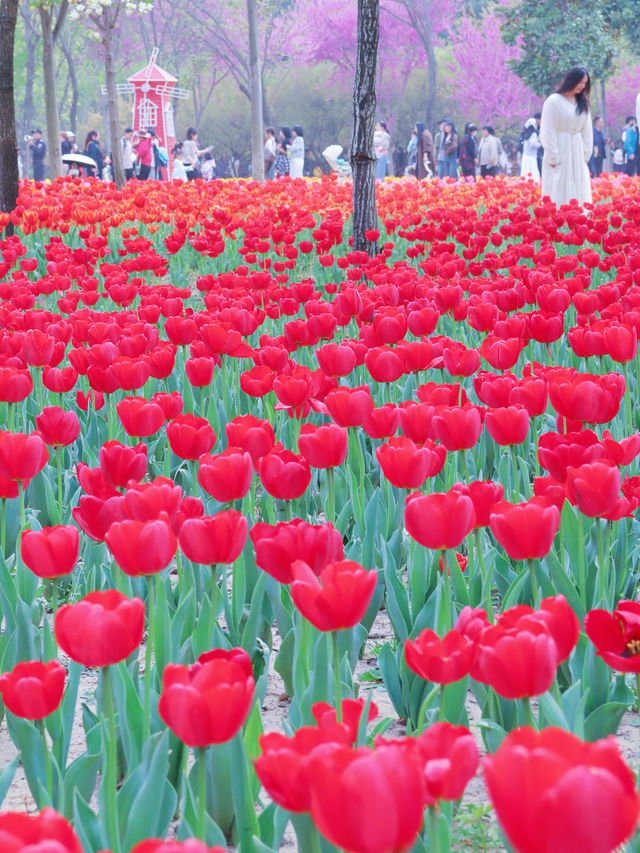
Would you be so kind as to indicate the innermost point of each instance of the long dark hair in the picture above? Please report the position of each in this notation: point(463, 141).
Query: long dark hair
point(420, 129)
point(191, 132)
point(570, 81)
point(91, 136)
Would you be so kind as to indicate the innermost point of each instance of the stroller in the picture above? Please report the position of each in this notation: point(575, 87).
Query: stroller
point(338, 165)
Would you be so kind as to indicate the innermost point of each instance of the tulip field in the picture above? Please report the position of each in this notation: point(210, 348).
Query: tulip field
point(235, 453)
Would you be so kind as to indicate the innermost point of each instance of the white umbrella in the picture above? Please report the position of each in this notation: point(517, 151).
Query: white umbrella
point(80, 159)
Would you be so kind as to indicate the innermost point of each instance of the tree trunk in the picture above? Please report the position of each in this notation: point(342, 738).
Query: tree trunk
point(73, 78)
point(432, 77)
point(8, 145)
point(603, 107)
point(50, 97)
point(365, 212)
point(32, 37)
point(255, 83)
point(112, 98)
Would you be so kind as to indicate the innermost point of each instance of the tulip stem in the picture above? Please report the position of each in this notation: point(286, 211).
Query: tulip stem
point(514, 462)
point(111, 765)
point(446, 580)
point(441, 716)
point(638, 700)
point(528, 713)
point(488, 602)
point(331, 496)
point(151, 595)
point(3, 531)
point(581, 562)
point(602, 579)
point(213, 614)
point(200, 754)
point(59, 461)
point(336, 674)
point(47, 763)
point(534, 584)
point(433, 827)
point(23, 519)
point(194, 474)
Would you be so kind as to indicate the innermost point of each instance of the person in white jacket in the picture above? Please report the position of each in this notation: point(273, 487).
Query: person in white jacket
point(566, 133)
point(296, 152)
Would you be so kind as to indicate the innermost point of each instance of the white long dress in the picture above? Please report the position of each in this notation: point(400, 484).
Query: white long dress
point(568, 142)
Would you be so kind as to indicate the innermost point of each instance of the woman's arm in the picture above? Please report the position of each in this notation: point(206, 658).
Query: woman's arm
point(587, 137)
point(549, 131)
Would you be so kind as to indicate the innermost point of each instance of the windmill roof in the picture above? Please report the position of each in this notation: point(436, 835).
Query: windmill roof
point(156, 75)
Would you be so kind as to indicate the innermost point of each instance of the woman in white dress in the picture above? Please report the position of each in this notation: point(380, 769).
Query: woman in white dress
point(566, 132)
point(296, 152)
point(530, 145)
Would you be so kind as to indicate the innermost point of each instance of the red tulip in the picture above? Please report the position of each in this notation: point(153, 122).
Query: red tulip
point(47, 832)
point(278, 547)
point(508, 425)
point(94, 515)
point(368, 801)
point(323, 446)
point(15, 384)
point(336, 598)
point(406, 465)
point(209, 701)
point(33, 689)
point(60, 381)
point(336, 359)
point(594, 488)
point(350, 407)
point(139, 417)
point(227, 475)
point(142, 547)
point(57, 427)
point(616, 635)
point(50, 552)
point(120, 463)
point(557, 452)
point(213, 540)
point(442, 661)
point(284, 474)
point(22, 456)
point(190, 437)
point(385, 363)
point(382, 422)
point(457, 427)
point(199, 371)
point(484, 494)
point(251, 434)
point(525, 530)
point(325, 715)
point(551, 791)
point(171, 404)
point(103, 628)
point(440, 520)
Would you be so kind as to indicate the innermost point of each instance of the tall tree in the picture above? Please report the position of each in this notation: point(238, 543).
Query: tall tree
point(365, 212)
point(8, 144)
point(104, 16)
point(52, 25)
point(255, 84)
point(25, 117)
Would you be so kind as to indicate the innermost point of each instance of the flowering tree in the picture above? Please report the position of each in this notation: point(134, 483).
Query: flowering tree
point(103, 16)
point(481, 80)
point(620, 97)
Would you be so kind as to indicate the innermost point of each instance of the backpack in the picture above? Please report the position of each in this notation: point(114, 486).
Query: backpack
point(161, 155)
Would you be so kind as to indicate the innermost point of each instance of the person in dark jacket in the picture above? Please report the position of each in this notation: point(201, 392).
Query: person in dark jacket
point(599, 147)
point(450, 146)
point(469, 151)
point(425, 161)
point(38, 153)
point(92, 149)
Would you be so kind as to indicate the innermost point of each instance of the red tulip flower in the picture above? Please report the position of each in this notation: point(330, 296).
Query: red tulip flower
point(440, 520)
point(457, 427)
point(190, 436)
point(284, 474)
point(214, 540)
point(278, 547)
point(326, 715)
point(407, 465)
point(33, 690)
point(209, 701)
point(337, 598)
point(142, 547)
point(350, 407)
point(15, 384)
point(227, 475)
point(441, 661)
point(449, 755)
point(57, 427)
point(103, 628)
point(252, 434)
point(120, 464)
point(594, 488)
point(551, 792)
point(200, 371)
point(616, 635)
point(507, 426)
point(382, 422)
point(140, 417)
point(525, 530)
point(94, 515)
point(50, 552)
point(368, 801)
point(484, 494)
point(47, 832)
point(323, 446)
point(22, 456)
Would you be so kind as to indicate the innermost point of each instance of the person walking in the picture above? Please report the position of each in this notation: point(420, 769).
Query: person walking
point(296, 152)
point(412, 154)
point(530, 145)
point(281, 165)
point(38, 148)
point(426, 162)
point(599, 148)
point(630, 144)
point(438, 143)
point(566, 133)
point(128, 158)
point(469, 151)
point(66, 143)
point(92, 149)
point(488, 152)
point(178, 172)
point(451, 142)
point(192, 153)
point(269, 151)
point(381, 143)
point(144, 155)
